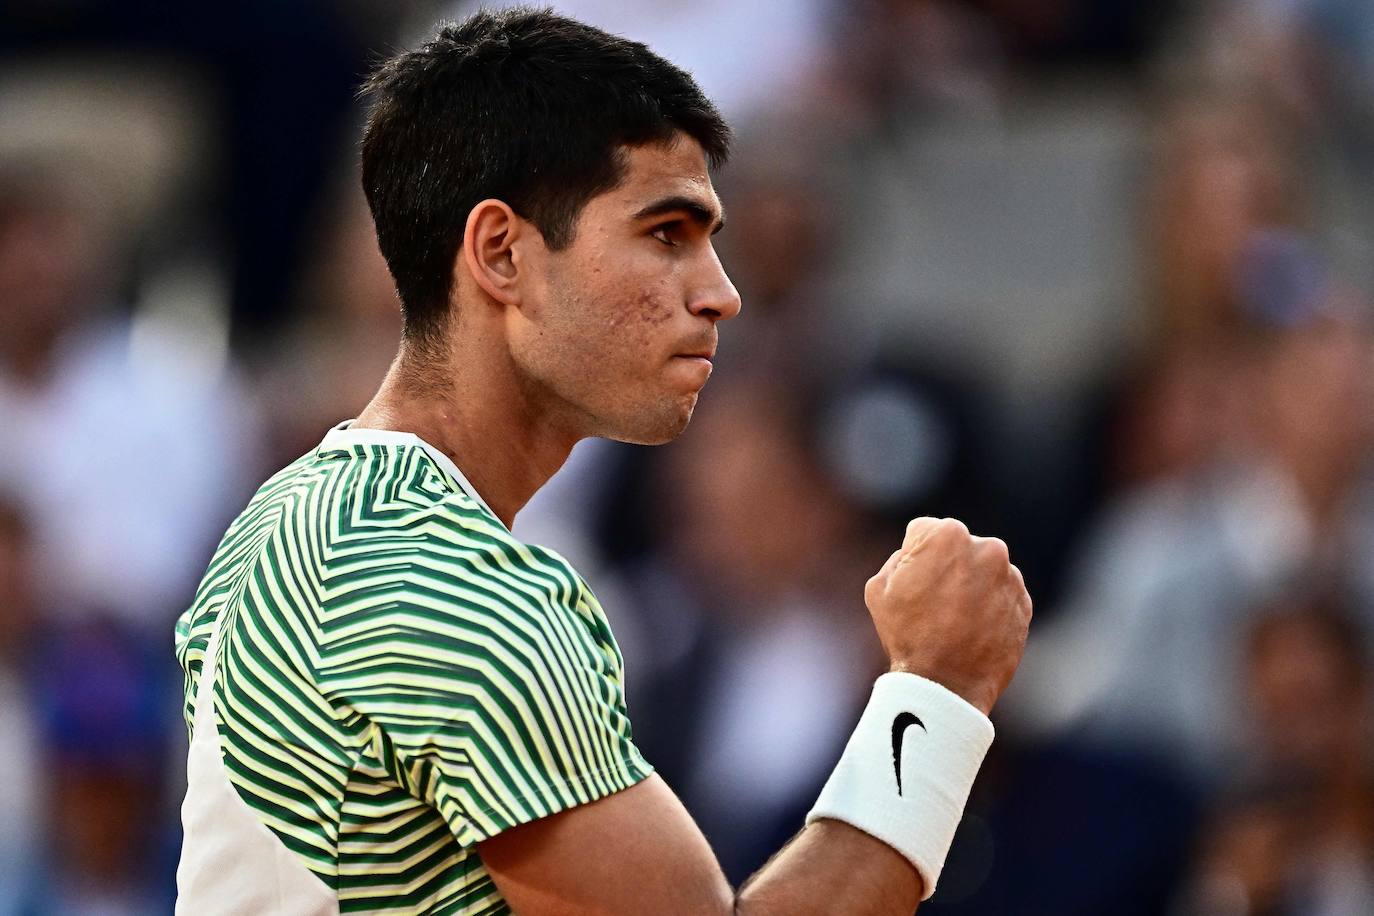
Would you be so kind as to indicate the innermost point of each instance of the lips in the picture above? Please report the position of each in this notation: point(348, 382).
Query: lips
point(700, 361)
point(706, 351)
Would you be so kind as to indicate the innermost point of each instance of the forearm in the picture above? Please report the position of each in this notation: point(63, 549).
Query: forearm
point(948, 607)
point(832, 868)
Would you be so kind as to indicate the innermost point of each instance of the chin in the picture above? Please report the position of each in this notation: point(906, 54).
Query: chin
point(662, 425)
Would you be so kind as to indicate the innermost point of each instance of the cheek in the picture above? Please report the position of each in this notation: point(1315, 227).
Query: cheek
point(615, 321)
point(635, 314)
point(633, 323)
point(653, 307)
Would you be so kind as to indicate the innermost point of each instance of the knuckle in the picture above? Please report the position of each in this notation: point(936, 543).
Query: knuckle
point(949, 531)
point(920, 531)
point(996, 550)
point(955, 526)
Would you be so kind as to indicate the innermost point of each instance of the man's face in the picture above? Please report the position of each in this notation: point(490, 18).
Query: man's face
point(1318, 398)
point(618, 329)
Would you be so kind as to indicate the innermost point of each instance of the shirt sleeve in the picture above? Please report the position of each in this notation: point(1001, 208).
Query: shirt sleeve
point(492, 682)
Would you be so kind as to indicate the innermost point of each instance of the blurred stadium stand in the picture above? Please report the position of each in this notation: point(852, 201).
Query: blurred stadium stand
point(1092, 275)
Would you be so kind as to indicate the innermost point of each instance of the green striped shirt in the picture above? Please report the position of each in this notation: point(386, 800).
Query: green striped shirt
point(399, 678)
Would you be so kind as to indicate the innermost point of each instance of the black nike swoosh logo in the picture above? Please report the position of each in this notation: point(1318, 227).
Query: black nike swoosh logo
point(900, 724)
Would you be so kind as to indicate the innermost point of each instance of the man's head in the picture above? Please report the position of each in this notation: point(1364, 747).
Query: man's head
point(526, 168)
point(1310, 380)
point(52, 261)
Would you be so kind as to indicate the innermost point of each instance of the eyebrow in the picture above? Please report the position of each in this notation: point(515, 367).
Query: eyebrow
point(698, 212)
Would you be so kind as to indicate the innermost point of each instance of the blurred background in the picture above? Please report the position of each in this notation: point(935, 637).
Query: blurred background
point(1092, 275)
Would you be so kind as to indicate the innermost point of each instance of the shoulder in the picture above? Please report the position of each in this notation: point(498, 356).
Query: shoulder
point(404, 547)
point(438, 534)
point(451, 562)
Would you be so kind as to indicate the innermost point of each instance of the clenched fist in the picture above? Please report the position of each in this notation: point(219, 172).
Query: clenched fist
point(952, 608)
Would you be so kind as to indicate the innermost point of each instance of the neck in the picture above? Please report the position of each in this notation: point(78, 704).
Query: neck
point(28, 360)
point(1322, 485)
point(476, 408)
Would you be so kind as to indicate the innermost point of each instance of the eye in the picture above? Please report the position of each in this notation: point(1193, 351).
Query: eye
point(667, 232)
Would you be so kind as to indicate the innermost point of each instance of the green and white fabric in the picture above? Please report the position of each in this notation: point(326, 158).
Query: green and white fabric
point(397, 679)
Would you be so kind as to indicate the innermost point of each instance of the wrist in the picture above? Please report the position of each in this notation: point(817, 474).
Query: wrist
point(979, 697)
point(906, 773)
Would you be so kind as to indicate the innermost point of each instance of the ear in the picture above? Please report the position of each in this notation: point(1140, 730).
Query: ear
point(490, 252)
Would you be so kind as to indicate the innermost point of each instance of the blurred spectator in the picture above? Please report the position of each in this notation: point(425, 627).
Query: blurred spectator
point(21, 787)
point(1310, 61)
point(279, 81)
point(326, 367)
point(1221, 178)
point(103, 696)
point(1223, 175)
point(1149, 649)
point(129, 450)
point(1295, 836)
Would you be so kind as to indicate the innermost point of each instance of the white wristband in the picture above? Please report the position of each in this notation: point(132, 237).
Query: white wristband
point(906, 773)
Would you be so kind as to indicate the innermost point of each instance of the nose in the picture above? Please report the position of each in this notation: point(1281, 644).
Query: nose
point(714, 296)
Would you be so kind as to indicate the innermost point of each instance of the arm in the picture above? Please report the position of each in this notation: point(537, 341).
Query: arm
point(947, 606)
point(638, 851)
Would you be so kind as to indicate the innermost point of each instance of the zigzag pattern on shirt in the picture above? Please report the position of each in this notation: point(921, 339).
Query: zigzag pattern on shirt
point(400, 678)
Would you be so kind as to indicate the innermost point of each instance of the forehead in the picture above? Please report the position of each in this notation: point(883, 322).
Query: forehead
point(659, 170)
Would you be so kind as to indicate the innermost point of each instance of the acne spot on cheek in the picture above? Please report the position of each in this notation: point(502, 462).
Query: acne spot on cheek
point(651, 309)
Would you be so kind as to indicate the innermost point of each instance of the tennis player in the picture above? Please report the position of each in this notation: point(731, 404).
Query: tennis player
point(397, 706)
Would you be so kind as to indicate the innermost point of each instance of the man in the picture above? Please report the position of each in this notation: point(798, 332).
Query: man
point(397, 706)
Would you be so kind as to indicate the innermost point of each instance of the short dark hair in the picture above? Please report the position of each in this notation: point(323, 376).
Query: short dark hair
point(522, 105)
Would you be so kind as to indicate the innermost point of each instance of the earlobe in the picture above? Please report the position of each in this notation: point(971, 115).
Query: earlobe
point(489, 250)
